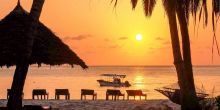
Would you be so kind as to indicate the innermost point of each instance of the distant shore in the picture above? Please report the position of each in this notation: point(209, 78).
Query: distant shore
point(103, 104)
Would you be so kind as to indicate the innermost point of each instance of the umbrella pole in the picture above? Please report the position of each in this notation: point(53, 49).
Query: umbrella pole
point(15, 99)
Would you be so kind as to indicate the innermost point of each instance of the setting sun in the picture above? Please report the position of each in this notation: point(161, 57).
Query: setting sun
point(139, 37)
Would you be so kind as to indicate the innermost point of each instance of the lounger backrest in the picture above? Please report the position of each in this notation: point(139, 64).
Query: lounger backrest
point(113, 92)
point(61, 91)
point(87, 92)
point(134, 92)
point(138, 92)
point(39, 91)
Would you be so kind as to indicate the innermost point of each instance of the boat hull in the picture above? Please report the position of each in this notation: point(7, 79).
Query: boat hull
point(112, 84)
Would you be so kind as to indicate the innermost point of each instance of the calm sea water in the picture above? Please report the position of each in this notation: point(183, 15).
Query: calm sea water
point(75, 79)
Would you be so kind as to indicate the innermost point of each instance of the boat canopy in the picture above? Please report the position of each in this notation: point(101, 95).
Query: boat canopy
point(114, 75)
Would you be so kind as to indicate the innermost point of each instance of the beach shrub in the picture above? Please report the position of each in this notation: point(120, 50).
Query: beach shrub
point(208, 104)
point(217, 101)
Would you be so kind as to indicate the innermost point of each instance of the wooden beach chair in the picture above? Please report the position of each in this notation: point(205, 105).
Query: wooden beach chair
point(85, 92)
point(135, 93)
point(114, 93)
point(9, 91)
point(40, 92)
point(60, 92)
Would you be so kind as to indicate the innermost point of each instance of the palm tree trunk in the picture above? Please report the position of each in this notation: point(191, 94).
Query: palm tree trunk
point(15, 97)
point(178, 61)
point(189, 99)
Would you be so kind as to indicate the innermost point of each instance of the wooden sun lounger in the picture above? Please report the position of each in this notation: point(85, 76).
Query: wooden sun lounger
point(135, 93)
point(114, 93)
point(60, 92)
point(85, 92)
point(40, 92)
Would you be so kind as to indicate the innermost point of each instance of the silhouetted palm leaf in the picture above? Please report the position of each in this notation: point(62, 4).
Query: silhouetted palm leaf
point(134, 3)
point(149, 6)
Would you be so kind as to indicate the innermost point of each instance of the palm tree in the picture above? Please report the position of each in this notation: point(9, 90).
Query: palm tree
point(15, 99)
point(182, 61)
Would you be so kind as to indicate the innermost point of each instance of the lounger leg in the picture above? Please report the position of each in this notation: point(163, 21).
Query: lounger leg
point(134, 97)
point(106, 97)
point(92, 97)
point(140, 97)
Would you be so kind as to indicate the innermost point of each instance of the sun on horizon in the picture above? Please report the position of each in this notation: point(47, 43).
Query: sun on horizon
point(138, 37)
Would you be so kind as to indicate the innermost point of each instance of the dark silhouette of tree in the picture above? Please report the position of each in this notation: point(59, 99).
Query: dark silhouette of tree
point(182, 61)
point(24, 40)
point(15, 99)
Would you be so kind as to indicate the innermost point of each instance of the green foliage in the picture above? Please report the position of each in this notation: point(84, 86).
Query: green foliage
point(217, 101)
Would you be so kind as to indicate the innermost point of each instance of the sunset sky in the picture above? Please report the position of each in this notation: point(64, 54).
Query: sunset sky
point(102, 35)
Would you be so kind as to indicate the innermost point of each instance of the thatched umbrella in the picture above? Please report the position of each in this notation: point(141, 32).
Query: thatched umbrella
point(47, 47)
point(24, 41)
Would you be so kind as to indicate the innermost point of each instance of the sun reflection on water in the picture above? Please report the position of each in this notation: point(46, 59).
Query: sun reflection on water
point(139, 82)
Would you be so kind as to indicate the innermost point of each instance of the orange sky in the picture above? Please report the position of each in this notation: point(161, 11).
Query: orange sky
point(101, 35)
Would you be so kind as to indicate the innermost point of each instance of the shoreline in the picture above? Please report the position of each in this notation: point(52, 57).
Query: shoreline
point(157, 104)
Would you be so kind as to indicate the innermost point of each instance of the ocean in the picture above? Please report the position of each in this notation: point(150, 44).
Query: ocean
point(146, 78)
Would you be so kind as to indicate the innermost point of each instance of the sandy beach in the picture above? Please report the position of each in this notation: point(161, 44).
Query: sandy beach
point(102, 104)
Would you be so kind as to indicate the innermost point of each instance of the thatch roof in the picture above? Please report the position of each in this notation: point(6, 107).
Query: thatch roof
point(47, 48)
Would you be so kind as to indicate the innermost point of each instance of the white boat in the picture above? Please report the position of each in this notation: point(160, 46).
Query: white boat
point(113, 80)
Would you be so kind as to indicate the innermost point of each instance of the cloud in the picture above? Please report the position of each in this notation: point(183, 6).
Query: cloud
point(123, 38)
point(79, 37)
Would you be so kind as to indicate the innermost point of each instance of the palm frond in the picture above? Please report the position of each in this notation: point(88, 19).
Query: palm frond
point(115, 2)
point(169, 5)
point(149, 6)
point(134, 3)
point(215, 17)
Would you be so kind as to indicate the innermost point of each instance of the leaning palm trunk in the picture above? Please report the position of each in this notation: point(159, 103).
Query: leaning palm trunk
point(15, 98)
point(188, 97)
point(183, 65)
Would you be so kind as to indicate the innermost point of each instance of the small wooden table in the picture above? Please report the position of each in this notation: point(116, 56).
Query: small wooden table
point(136, 93)
point(40, 92)
point(85, 92)
point(114, 93)
point(59, 92)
